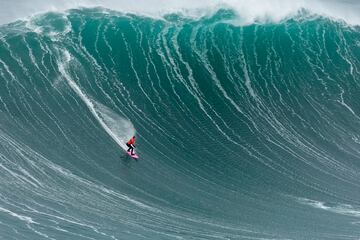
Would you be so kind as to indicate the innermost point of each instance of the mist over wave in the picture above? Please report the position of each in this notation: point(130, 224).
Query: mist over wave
point(245, 130)
point(248, 11)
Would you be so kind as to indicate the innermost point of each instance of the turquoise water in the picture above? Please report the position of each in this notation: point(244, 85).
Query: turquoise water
point(243, 132)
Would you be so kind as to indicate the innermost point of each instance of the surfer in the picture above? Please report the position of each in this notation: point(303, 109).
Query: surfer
point(131, 145)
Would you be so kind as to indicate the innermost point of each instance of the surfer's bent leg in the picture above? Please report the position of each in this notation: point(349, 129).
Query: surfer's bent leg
point(130, 147)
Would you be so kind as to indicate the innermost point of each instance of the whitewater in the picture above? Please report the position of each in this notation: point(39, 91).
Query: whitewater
point(247, 117)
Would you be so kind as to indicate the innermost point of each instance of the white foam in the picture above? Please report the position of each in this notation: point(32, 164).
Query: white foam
point(248, 10)
point(18, 216)
point(344, 209)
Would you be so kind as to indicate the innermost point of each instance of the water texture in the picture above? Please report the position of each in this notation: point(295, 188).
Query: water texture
point(244, 131)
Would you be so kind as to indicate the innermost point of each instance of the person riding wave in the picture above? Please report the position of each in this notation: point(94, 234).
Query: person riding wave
point(131, 145)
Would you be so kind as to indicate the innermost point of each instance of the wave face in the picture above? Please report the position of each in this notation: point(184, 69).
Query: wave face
point(244, 132)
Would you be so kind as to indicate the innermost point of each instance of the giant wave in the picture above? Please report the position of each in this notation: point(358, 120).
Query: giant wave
point(244, 131)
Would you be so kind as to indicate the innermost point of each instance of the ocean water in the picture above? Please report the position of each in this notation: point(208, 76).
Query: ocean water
point(245, 129)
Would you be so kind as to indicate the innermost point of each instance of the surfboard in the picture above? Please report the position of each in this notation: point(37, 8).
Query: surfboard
point(133, 156)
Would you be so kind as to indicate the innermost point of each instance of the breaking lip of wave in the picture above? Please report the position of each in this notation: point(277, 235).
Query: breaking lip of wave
point(248, 12)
